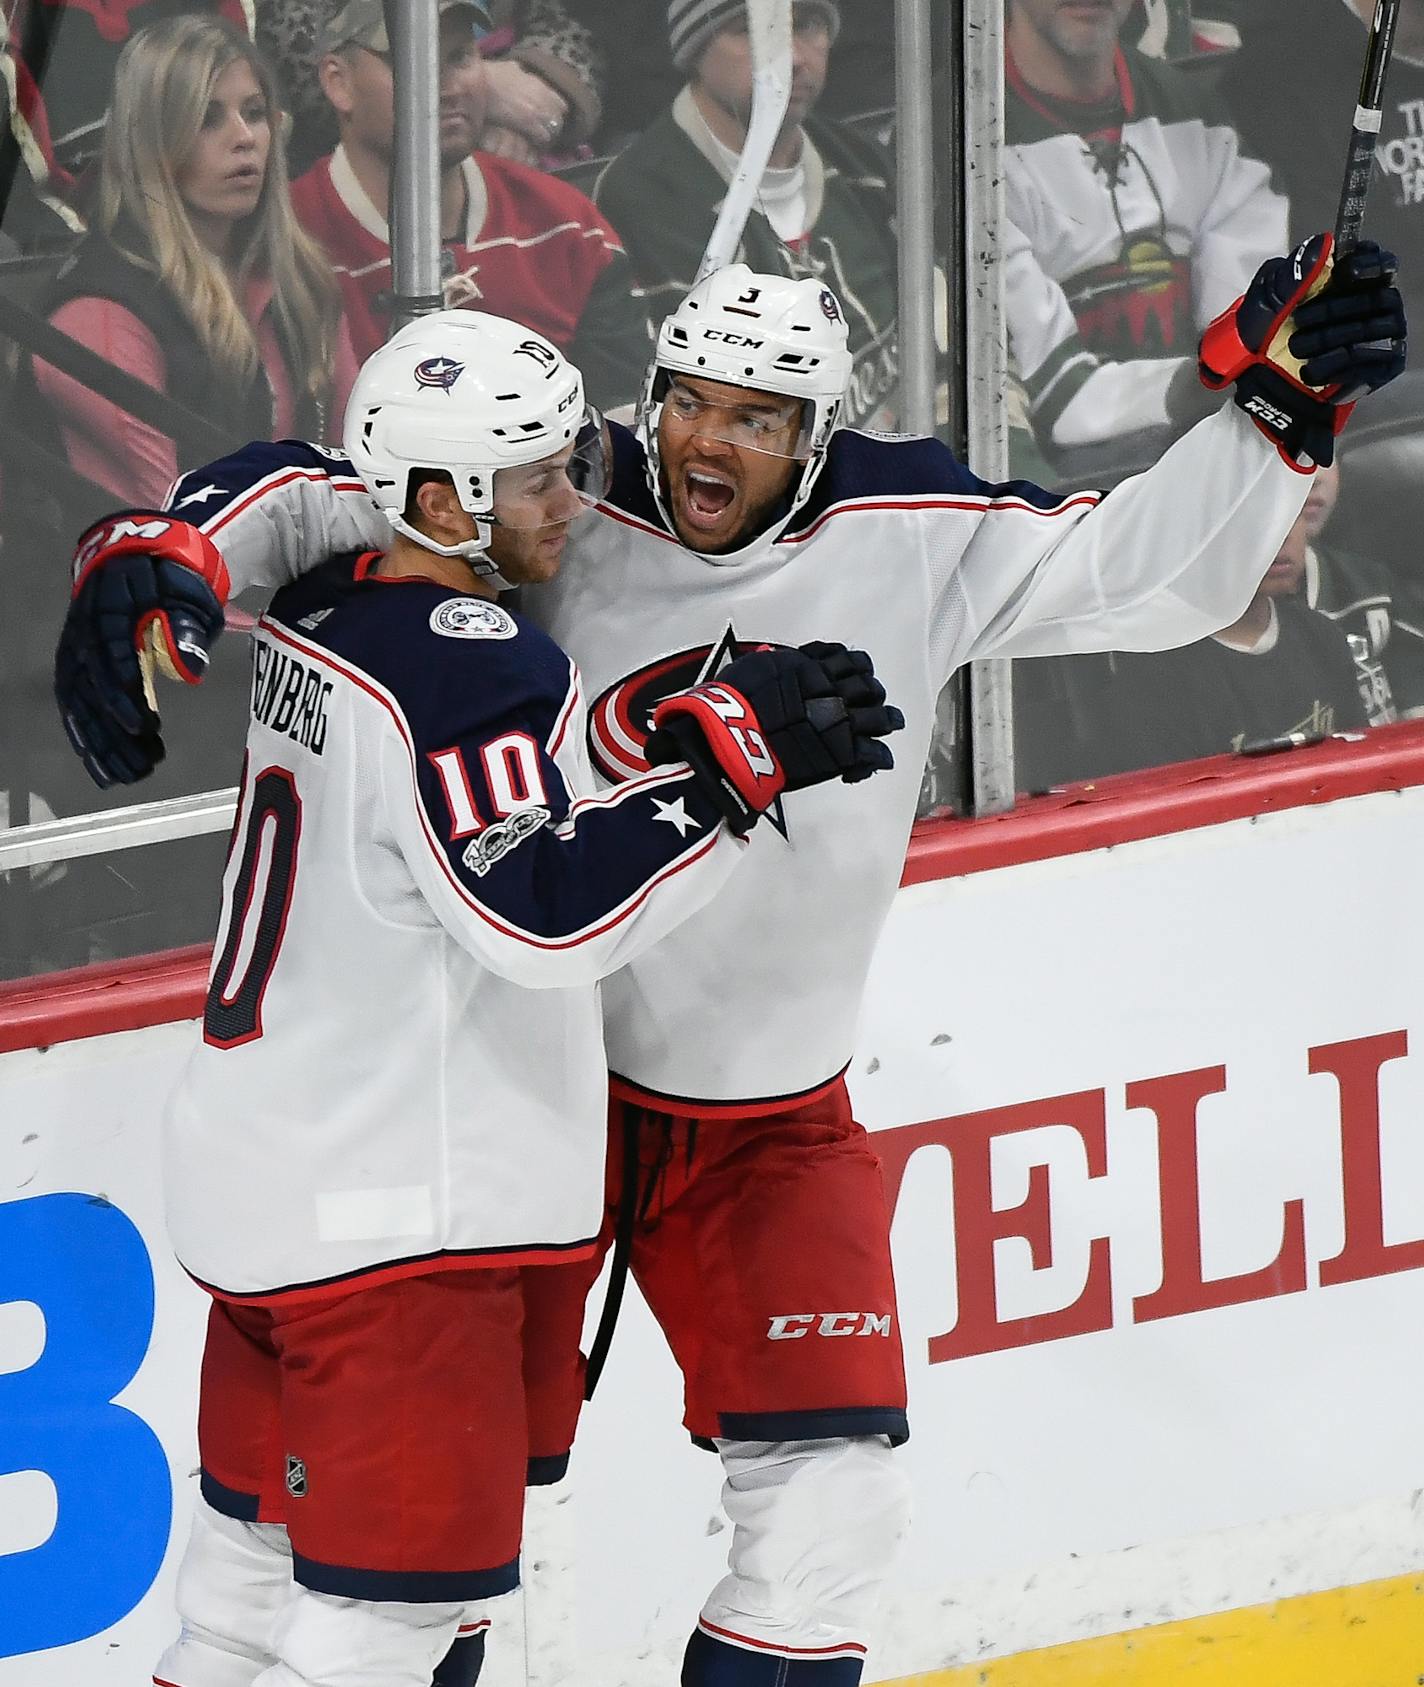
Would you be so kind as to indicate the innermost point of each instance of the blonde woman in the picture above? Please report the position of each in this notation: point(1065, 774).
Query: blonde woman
point(195, 276)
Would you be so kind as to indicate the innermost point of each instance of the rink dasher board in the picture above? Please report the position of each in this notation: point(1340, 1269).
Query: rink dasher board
point(1104, 1439)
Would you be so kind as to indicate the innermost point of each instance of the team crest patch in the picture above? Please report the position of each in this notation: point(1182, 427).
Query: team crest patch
point(471, 617)
point(441, 372)
point(829, 308)
point(296, 1476)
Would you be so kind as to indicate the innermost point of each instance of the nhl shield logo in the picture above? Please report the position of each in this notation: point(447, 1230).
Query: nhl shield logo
point(296, 1476)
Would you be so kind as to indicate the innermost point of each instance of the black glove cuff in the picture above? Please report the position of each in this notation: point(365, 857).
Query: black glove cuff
point(681, 739)
point(1301, 425)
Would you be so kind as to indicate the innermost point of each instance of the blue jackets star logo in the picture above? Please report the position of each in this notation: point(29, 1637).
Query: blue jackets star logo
point(442, 372)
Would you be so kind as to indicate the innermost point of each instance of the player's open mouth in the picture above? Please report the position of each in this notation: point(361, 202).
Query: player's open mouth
point(708, 495)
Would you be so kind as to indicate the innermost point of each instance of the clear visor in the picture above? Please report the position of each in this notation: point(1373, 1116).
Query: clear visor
point(557, 489)
point(769, 422)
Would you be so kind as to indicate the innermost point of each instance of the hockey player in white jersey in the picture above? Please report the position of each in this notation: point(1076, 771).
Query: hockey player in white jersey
point(419, 843)
point(742, 513)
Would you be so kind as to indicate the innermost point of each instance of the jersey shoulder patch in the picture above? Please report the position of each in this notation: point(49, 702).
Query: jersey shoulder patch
point(472, 617)
point(450, 660)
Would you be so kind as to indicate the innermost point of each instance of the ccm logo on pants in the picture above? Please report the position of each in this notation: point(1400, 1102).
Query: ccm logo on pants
point(791, 1326)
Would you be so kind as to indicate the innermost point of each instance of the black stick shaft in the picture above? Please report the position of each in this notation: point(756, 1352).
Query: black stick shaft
point(1364, 137)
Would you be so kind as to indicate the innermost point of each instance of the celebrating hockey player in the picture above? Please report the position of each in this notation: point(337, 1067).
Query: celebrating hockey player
point(417, 836)
point(741, 513)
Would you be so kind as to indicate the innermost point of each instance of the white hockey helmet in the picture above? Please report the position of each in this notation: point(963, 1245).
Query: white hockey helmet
point(767, 332)
point(470, 394)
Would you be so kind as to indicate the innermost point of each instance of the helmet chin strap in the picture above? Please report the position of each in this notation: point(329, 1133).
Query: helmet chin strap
point(473, 551)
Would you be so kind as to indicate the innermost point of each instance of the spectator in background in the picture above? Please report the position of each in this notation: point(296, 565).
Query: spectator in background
point(1282, 668)
point(1292, 90)
point(827, 202)
point(195, 276)
point(516, 241)
point(35, 190)
point(1383, 620)
point(75, 46)
point(545, 78)
point(544, 81)
point(641, 79)
point(1134, 217)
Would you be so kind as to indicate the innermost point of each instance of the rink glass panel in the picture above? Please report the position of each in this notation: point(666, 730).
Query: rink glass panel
point(1139, 296)
point(1146, 229)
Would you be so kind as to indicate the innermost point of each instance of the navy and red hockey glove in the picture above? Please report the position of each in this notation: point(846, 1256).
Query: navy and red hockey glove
point(143, 583)
point(1308, 339)
point(778, 720)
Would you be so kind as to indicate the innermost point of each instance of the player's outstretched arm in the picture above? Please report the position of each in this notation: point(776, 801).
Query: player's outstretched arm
point(275, 510)
point(551, 887)
point(1176, 554)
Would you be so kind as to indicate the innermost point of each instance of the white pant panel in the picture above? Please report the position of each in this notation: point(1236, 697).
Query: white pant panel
point(323, 1641)
point(816, 1526)
point(234, 1580)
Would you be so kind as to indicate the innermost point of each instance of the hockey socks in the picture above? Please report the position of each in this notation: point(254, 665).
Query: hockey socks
point(461, 1665)
point(716, 1663)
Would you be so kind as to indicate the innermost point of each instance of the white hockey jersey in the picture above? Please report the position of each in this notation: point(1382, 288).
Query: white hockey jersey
point(402, 1060)
point(1126, 235)
point(900, 550)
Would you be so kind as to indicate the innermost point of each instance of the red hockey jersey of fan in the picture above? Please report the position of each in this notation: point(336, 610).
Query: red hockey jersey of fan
point(532, 248)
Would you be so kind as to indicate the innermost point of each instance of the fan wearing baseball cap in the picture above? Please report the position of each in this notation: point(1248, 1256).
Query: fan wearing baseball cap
point(826, 207)
point(515, 240)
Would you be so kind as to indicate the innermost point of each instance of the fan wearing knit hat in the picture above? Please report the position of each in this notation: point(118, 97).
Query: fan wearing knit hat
point(693, 23)
point(513, 240)
point(710, 43)
point(825, 206)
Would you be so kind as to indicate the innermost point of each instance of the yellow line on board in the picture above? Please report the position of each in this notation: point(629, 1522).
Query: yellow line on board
point(1366, 1636)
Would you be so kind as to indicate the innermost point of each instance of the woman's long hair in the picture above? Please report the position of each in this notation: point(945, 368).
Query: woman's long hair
point(162, 86)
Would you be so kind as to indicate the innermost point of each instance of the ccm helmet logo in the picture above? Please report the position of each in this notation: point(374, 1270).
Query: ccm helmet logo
point(791, 1326)
point(726, 339)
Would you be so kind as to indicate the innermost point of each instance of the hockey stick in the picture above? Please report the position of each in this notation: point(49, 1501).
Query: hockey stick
point(1359, 163)
point(769, 24)
point(1364, 137)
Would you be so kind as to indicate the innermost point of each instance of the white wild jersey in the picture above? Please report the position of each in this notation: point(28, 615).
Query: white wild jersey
point(900, 551)
point(423, 890)
point(1129, 229)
